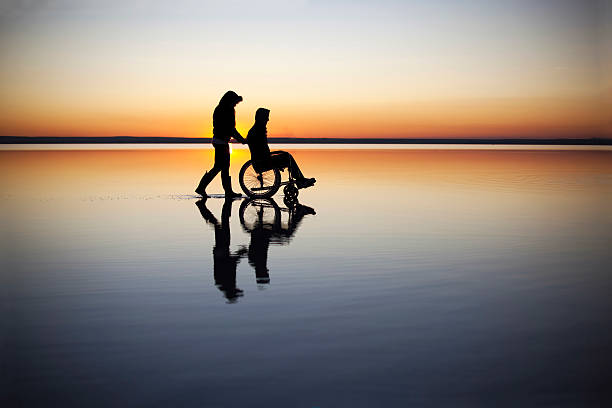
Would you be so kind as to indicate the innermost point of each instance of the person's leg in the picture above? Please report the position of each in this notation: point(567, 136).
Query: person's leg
point(226, 180)
point(294, 168)
point(284, 159)
point(300, 180)
point(206, 214)
point(210, 175)
point(226, 213)
point(277, 160)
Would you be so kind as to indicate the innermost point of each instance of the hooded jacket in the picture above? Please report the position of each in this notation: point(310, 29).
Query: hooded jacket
point(224, 119)
point(257, 138)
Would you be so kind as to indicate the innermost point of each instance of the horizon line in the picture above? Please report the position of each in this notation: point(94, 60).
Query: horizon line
point(304, 140)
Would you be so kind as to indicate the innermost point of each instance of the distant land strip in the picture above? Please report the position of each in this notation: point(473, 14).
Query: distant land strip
point(306, 140)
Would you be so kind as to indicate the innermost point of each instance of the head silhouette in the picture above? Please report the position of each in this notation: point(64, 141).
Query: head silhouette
point(262, 115)
point(230, 98)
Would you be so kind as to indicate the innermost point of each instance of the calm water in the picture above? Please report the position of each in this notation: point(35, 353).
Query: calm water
point(425, 278)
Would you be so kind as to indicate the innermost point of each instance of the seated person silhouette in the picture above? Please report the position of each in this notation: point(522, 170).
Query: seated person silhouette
point(268, 231)
point(263, 159)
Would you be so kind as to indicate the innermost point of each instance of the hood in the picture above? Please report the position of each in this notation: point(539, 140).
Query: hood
point(262, 115)
point(230, 98)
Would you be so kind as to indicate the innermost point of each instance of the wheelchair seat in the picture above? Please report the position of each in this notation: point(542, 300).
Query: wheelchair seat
point(261, 166)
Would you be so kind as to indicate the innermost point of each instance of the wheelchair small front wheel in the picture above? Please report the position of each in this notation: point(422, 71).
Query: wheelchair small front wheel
point(291, 192)
point(259, 185)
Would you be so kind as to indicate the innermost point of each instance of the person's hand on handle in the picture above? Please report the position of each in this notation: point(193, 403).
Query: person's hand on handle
point(239, 137)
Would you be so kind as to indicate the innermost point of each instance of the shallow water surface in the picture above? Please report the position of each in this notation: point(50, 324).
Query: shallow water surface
point(404, 277)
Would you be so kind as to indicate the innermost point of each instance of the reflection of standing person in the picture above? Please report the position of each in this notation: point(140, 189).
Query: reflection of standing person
point(261, 156)
point(225, 263)
point(224, 128)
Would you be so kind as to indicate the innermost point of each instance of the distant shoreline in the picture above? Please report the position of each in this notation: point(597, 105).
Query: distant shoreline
point(309, 140)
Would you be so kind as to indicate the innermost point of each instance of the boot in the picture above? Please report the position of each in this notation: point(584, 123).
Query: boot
point(206, 214)
point(227, 186)
point(305, 182)
point(204, 182)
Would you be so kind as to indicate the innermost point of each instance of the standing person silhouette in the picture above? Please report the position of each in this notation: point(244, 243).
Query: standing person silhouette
point(224, 128)
point(225, 261)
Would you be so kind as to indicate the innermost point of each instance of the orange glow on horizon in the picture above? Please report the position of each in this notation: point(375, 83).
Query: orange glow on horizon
point(470, 118)
point(513, 69)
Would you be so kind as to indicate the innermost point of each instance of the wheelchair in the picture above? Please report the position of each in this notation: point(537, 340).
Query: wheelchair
point(264, 214)
point(261, 181)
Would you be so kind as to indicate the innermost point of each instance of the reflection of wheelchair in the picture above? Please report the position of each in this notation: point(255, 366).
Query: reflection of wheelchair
point(260, 213)
point(264, 182)
point(263, 214)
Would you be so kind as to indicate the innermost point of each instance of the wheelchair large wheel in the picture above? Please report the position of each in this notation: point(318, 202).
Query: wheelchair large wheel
point(259, 213)
point(259, 185)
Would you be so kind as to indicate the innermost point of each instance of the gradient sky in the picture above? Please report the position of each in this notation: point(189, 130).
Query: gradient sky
point(437, 68)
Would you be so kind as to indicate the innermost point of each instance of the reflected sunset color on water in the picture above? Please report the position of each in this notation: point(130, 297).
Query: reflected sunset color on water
point(455, 277)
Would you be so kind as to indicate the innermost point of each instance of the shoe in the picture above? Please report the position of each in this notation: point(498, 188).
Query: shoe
point(227, 186)
point(233, 195)
point(306, 210)
point(305, 182)
point(204, 182)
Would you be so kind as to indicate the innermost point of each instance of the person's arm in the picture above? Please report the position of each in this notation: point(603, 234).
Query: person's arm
point(238, 137)
point(234, 133)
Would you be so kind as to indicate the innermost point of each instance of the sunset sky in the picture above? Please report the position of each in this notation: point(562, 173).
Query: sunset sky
point(438, 68)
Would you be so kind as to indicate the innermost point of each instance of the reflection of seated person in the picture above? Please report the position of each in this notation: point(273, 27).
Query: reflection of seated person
point(271, 231)
point(263, 159)
point(225, 262)
point(258, 254)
